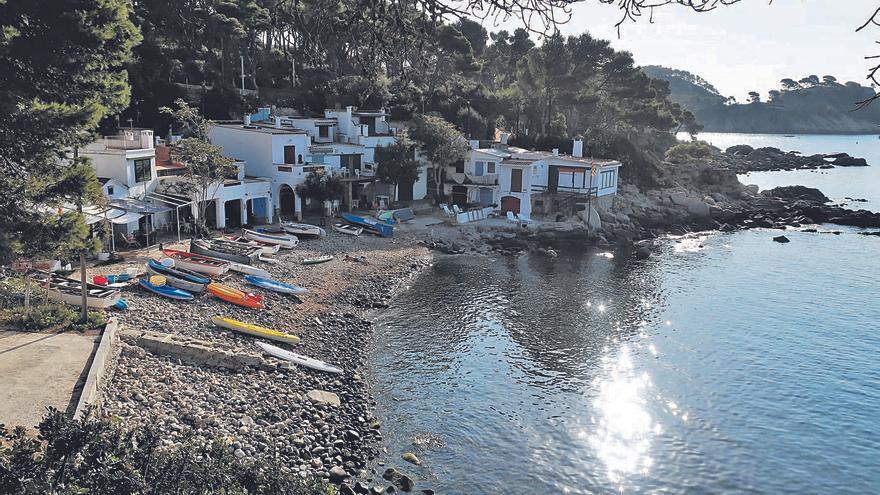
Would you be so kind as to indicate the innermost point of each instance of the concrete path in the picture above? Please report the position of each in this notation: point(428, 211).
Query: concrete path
point(39, 370)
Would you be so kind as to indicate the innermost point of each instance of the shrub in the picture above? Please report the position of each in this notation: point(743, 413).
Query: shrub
point(48, 316)
point(695, 151)
point(95, 456)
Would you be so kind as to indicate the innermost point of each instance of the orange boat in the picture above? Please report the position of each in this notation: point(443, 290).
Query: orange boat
point(235, 296)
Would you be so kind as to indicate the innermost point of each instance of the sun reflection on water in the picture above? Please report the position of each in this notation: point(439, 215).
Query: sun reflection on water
point(624, 428)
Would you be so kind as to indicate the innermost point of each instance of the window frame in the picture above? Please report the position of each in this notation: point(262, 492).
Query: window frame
point(145, 175)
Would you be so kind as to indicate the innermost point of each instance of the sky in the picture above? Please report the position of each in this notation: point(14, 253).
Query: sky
point(747, 46)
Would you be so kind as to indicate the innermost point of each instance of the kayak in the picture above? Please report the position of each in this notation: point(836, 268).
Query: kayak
point(235, 296)
point(166, 290)
point(197, 263)
point(344, 228)
point(303, 229)
point(315, 261)
point(274, 285)
point(299, 359)
point(371, 226)
point(256, 331)
point(178, 278)
point(283, 240)
point(249, 270)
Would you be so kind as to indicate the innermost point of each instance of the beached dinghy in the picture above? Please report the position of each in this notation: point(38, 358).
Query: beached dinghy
point(267, 248)
point(256, 331)
point(179, 278)
point(396, 216)
point(348, 229)
point(251, 270)
point(226, 250)
point(303, 229)
point(198, 263)
point(299, 359)
point(318, 260)
point(274, 285)
point(68, 290)
point(284, 240)
point(235, 296)
point(369, 225)
point(166, 290)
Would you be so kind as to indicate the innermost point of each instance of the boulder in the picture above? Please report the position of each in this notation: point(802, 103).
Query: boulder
point(698, 209)
point(797, 192)
point(739, 149)
point(338, 475)
point(322, 397)
point(849, 161)
point(399, 479)
point(412, 458)
point(781, 238)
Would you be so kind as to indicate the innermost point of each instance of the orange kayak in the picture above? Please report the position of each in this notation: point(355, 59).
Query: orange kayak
point(235, 296)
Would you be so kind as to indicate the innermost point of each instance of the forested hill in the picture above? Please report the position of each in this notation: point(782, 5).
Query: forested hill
point(808, 105)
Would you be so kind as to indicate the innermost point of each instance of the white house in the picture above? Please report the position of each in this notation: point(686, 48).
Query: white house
point(526, 182)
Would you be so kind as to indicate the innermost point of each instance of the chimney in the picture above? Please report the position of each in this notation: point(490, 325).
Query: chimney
point(555, 151)
point(247, 120)
point(474, 144)
point(278, 122)
point(577, 149)
point(504, 137)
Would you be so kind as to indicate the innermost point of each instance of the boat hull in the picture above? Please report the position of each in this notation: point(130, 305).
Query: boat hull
point(166, 291)
point(348, 229)
point(235, 296)
point(316, 261)
point(371, 226)
point(68, 290)
point(283, 240)
point(196, 263)
point(254, 330)
point(176, 282)
point(299, 359)
point(215, 250)
point(274, 285)
point(91, 301)
point(303, 230)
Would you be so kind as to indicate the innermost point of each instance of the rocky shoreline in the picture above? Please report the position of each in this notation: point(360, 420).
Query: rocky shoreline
point(312, 423)
point(743, 158)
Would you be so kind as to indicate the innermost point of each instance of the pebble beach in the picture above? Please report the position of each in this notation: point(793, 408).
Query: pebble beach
point(281, 412)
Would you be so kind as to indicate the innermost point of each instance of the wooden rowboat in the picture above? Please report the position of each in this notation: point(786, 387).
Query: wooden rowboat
point(68, 290)
point(283, 240)
point(226, 250)
point(345, 228)
point(303, 229)
point(267, 248)
point(197, 263)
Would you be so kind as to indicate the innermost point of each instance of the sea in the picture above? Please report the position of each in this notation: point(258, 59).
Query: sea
point(725, 363)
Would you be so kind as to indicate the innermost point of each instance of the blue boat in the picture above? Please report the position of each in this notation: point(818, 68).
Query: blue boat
point(166, 290)
point(372, 226)
point(274, 285)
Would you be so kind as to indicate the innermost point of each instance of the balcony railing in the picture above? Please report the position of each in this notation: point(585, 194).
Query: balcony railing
point(481, 180)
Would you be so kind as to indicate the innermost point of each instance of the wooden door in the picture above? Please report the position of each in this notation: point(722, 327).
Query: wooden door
point(516, 180)
point(510, 203)
point(290, 154)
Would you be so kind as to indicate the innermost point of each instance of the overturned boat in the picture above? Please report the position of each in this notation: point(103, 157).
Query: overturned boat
point(226, 250)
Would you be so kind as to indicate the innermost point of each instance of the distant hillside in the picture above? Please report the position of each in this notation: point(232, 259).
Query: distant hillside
point(810, 105)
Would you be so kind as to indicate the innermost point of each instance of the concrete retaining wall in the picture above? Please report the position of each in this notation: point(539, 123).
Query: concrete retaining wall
point(100, 370)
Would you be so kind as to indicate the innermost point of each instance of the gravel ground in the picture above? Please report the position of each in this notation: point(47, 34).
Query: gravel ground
point(268, 414)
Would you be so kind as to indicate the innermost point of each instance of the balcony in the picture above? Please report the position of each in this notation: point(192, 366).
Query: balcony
point(481, 180)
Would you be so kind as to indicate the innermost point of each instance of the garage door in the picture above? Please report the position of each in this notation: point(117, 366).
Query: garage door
point(510, 203)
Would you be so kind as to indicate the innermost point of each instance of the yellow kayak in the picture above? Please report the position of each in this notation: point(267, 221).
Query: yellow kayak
point(256, 331)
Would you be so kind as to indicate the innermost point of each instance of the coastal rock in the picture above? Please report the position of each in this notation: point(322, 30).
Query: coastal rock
point(849, 161)
point(698, 209)
point(739, 149)
point(781, 238)
point(337, 474)
point(411, 458)
point(323, 397)
point(399, 479)
point(797, 192)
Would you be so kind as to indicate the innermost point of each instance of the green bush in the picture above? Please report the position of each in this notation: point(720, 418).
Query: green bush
point(48, 316)
point(95, 456)
point(695, 151)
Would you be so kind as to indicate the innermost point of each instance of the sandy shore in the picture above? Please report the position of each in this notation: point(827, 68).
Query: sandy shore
point(267, 413)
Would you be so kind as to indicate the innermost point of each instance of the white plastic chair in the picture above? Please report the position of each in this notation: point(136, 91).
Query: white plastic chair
point(511, 218)
point(456, 209)
point(446, 211)
point(525, 220)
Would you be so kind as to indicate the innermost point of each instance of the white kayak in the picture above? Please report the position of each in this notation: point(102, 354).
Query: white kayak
point(249, 270)
point(301, 360)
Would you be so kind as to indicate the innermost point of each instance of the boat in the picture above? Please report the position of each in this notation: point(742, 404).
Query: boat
point(299, 359)
point(68, 290)
point(267, 248)
point(369, 225)
point(226, 250)
point(347, 228)
point(250, 270)
point(318, 260)
point(197, 263)
point(256, 331)
point(303, 229)
point(396, 216)
point(274, 285)
point(177, 277)
point(284, 240)
point(235, 296)
point(166, 290)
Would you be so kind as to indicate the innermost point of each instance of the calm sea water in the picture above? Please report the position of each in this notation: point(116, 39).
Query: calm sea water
point(725, 364)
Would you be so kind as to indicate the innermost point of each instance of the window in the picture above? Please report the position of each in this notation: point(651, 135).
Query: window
point(490, 167)
point(351, 162)
point(299, 159)
point(323, 131)
point(142, 170)
point(290, 154)
point(607, 179)
point(109, 190)
point(516, 180)
point(478, 168)
point(459, 167)
point(285, 169)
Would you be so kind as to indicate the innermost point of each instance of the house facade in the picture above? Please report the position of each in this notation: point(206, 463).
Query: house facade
point(529, 182)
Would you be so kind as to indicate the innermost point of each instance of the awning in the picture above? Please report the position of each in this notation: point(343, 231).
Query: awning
point(126, 218)
point(168, 199)
point(138, 206)
point(93, 217)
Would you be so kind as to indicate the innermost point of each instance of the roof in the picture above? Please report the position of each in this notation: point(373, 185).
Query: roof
point(493, 152)
point(263, 129)
point(516, 162)
point(137, 206)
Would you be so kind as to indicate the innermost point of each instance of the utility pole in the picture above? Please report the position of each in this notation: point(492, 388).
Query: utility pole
point(242, 74)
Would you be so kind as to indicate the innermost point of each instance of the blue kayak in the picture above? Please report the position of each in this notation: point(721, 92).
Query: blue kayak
point(372, 226)
point(166, 290)
point(274, 285)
